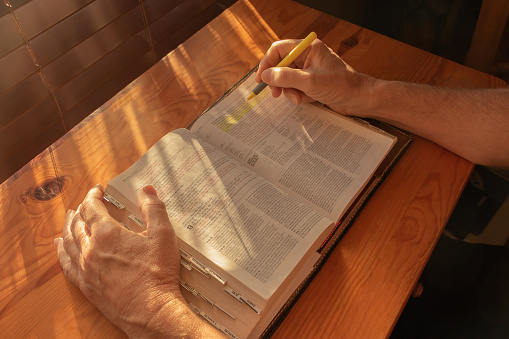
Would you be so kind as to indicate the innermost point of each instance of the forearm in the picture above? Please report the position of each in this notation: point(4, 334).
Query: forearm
point(470, 123)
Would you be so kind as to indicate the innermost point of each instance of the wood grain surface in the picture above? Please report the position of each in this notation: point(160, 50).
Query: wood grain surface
point(365, 284)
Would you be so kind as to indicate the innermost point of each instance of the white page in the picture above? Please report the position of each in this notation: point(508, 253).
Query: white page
point(227, 212)
point(320, 158)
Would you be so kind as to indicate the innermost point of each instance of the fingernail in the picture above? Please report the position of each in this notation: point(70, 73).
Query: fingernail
point(267, 75)
point(149, 189)
point(56, 241)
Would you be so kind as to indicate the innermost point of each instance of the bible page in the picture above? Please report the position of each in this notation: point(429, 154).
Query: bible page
point(320, 158)
point(228, 213)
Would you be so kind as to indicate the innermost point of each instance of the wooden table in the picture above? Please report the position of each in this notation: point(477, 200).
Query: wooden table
point(361, 290)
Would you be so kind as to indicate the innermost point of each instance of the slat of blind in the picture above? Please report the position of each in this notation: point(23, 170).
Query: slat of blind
point(10, 38)
point(103, 70)
point(26, 128)
point(14, 67)
point(87, 51)
point(155, 9)
point(77, 27)
point(92, 49)
point(38, 15)
point(22, 155)
point(21, 98)
point(172, 21)
point(167, 36)
point(3, 9)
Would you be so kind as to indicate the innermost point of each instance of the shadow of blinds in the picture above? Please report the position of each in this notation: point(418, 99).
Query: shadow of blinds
point(60, 60)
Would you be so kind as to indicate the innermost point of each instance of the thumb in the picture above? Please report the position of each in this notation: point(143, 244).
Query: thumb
point(154, 212)
point(286, 77)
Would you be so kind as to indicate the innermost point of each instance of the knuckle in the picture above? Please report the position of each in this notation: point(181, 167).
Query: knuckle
point(103, 235)
point(86, 204)
point(279, 77)
point(66, 269)
point(89, 209)
point(155, 204)
point(86, 209)
point(275, 45)
point(101, 220)
point(68, 242)
point(69, 271)
point(107, 233)
point(74, 220)
point(86, 263)
point(167, 230)
point(311, 81)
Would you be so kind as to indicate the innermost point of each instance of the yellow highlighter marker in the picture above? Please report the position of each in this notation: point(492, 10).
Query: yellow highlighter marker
point(286, 61)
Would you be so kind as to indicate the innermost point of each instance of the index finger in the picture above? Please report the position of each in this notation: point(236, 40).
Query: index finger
point(93, 209)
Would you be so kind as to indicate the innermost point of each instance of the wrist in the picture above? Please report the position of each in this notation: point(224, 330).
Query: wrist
point(156, 312)
point(373, 98)
point(362, 101)
point(169, 320)
point(173, 319)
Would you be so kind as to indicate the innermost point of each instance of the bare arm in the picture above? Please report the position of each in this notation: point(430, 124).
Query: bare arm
point(472, 123)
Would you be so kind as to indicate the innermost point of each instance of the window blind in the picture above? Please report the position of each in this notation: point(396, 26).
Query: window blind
point(62, 59)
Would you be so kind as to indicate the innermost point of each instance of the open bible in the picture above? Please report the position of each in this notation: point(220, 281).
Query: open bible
point(258, 193)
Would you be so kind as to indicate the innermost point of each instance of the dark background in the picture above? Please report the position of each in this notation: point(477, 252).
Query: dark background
point(442, 27)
